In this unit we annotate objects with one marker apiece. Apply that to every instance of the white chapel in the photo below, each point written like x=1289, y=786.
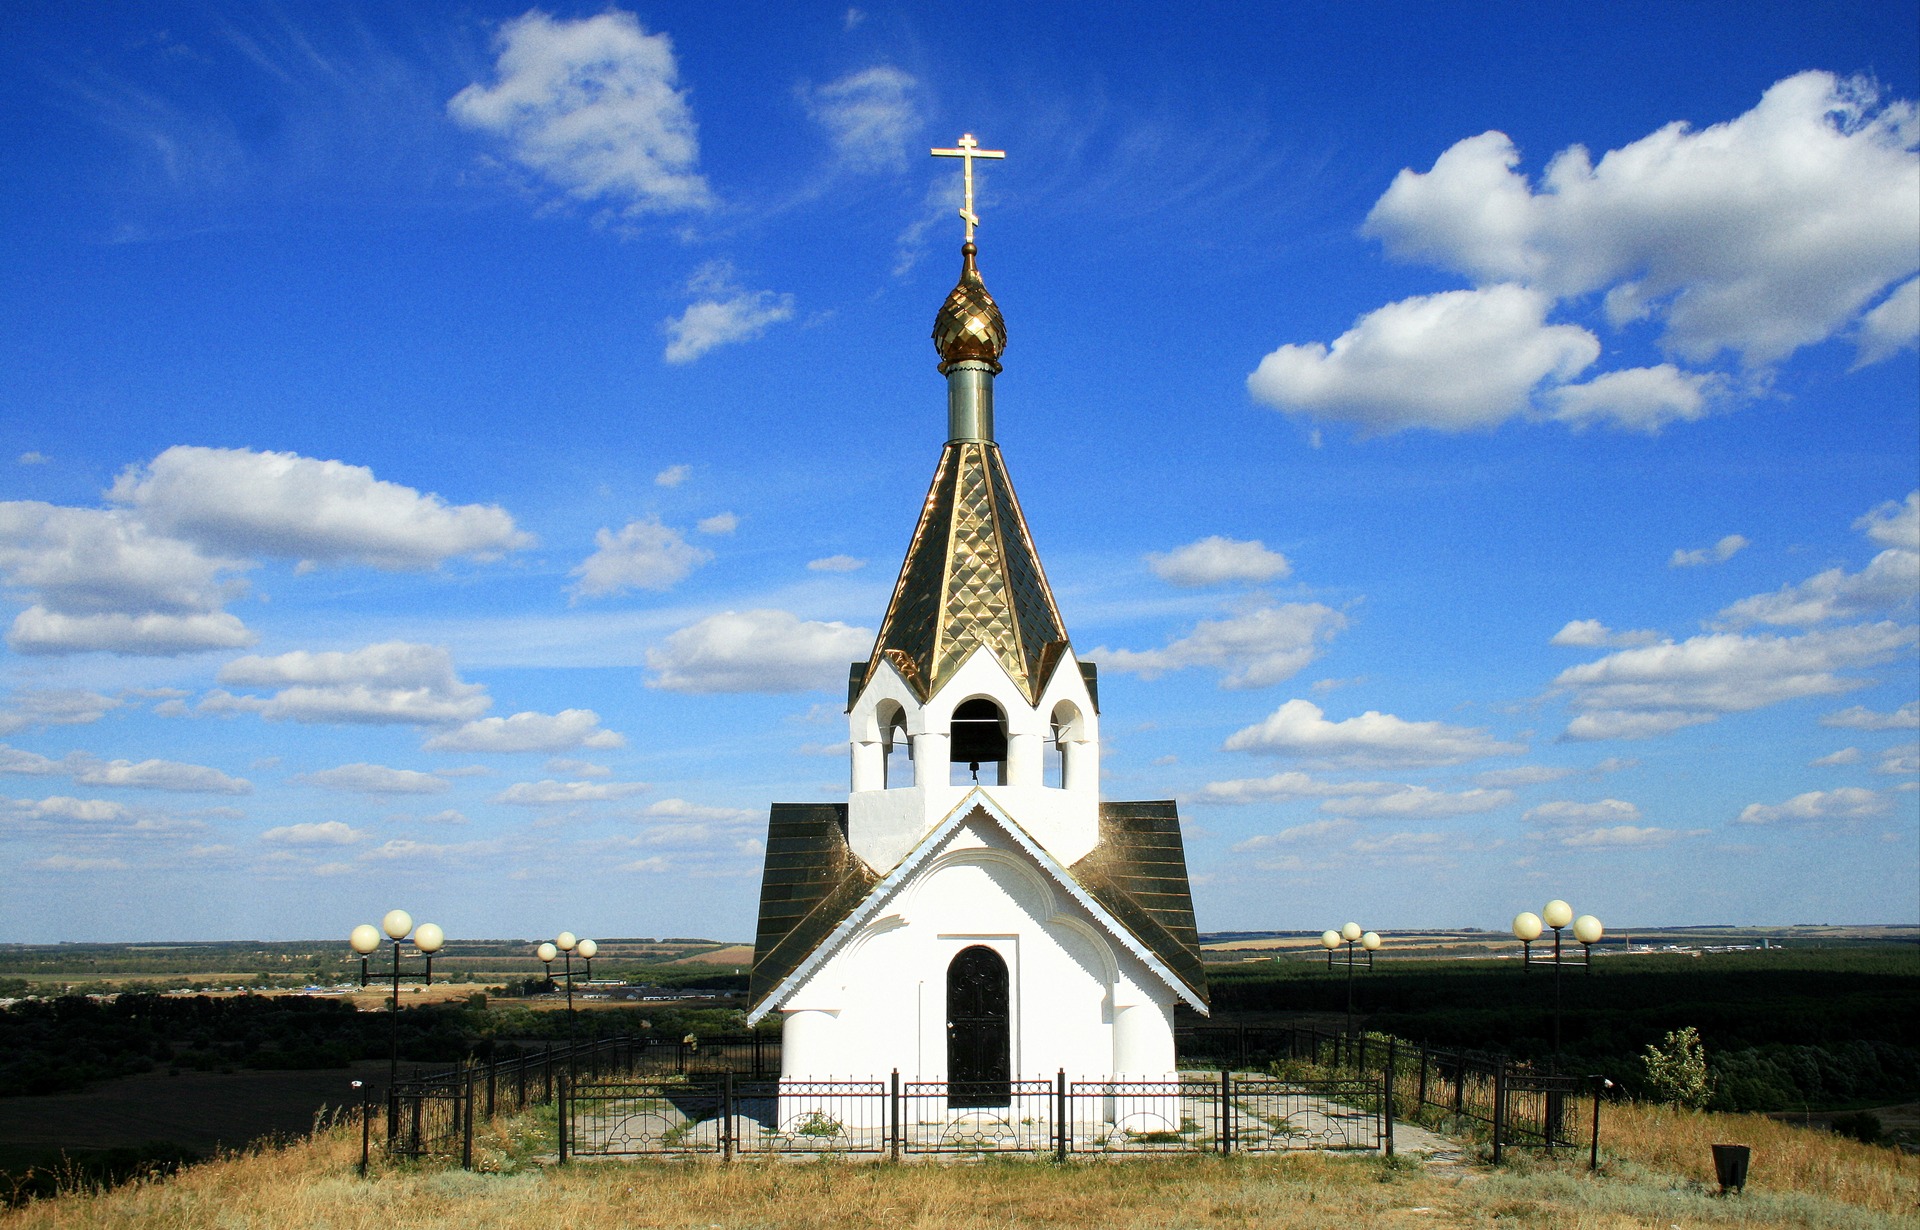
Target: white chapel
x=974, y=912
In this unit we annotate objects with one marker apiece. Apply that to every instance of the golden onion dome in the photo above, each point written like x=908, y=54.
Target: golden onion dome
x=969, y=324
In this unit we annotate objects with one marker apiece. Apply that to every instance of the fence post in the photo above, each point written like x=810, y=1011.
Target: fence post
x=466, y=1128
x=560, y=1112
x=1422, y=1099
x=1593, y=1155
x=1499, y=1106
x=1459, y=1085
x=1226, y=1112
x=493, y=1075
x=726, y=1115
x=894, y=1127
x=1393, y=1075
x=1361, y=1064
x=1061, y=1126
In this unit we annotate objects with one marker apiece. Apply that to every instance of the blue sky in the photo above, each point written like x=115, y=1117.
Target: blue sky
x=450, y=453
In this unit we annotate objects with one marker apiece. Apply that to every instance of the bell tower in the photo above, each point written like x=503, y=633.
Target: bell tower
x=972, y=681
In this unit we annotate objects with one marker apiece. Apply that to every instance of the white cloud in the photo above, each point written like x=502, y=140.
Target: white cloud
x=592, y=107
x=401, y=849
x=1215, y=560
x=756, y=651
x=103, y=580
x=673, y=476
x=324, y=833
x=577, y=768
x=69, y=862
x=836, y=563
x=1888, y=582
x=374, y=779
x=1859, y=717
x=1592, y=634
x=529, y=732
x=1637, y=398
x=1419, y=801
x=1453, y=361
x=1292, y=784
x=1761, y=235
x=392, y=682
x=1298, y=832
x=1300, y=728
x=719, y=523
x=643, y=555
x=155, y=775
x=680, y=809
x=1898, y=761
x=1525, y=775
x=1895, y=523
x=28, y=764
x=68, y=808
x=1571, y=814
x=449, y=816
x=1845, y=756
x=654, y=864
x=551, y=793
x=283, y=504
x=1718, y=553
x=1420, y=846
x=1257, y=649
x=33, y=457
x=1639, y=693
x=1891, y=327
x=1843, y=803
x=870, y=116
x=725, y=314
x=54, y=707
x=1619, y=835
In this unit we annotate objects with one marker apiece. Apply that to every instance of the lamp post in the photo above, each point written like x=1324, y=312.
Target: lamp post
x=427, y=939
x=1557, y=914
x=1350, y=934
x=568, y=943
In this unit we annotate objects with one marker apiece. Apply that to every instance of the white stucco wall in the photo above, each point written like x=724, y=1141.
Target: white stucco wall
x=1077, y=1000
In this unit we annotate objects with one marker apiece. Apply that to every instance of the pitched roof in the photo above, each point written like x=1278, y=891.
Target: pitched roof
x=811, y=882
x=971, y=577
x=1134, y=884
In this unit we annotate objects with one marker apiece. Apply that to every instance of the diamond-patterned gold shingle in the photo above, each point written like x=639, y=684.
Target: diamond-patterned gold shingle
x=971, y=578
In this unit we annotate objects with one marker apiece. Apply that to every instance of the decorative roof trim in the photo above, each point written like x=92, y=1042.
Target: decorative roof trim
x=976, y=800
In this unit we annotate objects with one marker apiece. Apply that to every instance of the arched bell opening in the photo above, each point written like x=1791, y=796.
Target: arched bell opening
x=1066, y=745
x=896, y=766
x=977, y=744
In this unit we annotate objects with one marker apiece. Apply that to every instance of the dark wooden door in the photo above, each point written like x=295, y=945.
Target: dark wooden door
x=979, y=1036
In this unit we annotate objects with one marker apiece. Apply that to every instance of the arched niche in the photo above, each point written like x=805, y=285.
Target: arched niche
x=896, y=749
x=1066, y=745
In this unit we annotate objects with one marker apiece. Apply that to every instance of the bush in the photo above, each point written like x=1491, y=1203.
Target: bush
x=1861, y=1125
x=1676, y=1070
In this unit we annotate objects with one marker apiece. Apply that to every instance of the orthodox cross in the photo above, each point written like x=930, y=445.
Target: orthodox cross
x=968, y=150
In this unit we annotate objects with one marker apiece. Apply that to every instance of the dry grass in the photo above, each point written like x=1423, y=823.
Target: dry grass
x=1657, y=1174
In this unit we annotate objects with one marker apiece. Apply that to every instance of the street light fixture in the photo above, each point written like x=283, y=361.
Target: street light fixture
x=1350, y=934
x=1558, y=915
x=427, y=939
x=568, y=943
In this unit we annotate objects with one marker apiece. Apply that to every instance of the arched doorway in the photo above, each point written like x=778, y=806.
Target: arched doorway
x=979, y=1036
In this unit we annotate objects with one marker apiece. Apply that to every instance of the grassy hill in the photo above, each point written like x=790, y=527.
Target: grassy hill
x=1655, y=1172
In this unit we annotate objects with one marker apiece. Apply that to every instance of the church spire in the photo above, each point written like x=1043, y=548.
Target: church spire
x=972, y=577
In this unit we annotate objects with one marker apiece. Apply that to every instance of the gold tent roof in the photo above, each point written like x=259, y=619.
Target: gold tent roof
x=971, y=578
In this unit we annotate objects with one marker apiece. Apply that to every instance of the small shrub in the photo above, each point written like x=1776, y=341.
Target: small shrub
x=1863, y=1126
x=1676, y=1069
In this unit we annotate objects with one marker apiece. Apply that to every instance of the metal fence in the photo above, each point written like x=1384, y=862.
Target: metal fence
x=1212, y=1113
x=1520, y=1105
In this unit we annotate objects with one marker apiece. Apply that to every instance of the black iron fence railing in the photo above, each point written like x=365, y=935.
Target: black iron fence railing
x=1519, y=1105
x=1296, y=1088
x=1212, y=1113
